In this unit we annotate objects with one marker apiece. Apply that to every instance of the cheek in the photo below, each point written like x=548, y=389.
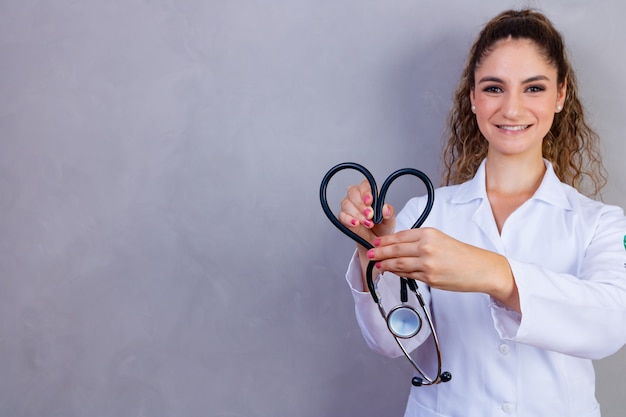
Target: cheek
x=486, y=105
x=546, y=113
x=482, y=120
x=484, y=111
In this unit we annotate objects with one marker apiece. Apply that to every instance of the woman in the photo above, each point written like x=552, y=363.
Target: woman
x=524, y=275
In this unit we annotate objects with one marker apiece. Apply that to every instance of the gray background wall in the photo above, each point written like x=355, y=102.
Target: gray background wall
x=162, y=247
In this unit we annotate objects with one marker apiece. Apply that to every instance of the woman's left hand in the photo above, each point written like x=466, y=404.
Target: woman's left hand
x=442, y=262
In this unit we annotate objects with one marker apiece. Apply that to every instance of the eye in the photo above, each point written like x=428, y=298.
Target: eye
x=492, y=89
x=535, y=89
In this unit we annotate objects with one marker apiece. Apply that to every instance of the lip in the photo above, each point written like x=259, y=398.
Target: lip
x=513, y=128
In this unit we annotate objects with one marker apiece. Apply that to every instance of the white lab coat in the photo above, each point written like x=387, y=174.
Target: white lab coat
x=568, y=256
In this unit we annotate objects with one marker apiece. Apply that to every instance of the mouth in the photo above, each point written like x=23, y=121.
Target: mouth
x=515, y=128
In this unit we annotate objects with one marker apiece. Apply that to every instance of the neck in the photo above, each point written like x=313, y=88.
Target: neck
x=510, y=182
x=514, y=176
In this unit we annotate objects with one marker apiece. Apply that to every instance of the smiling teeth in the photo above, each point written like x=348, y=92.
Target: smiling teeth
x=513, y=127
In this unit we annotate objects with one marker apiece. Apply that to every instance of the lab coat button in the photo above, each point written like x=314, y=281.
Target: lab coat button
x=507, y=407
x=504, y=349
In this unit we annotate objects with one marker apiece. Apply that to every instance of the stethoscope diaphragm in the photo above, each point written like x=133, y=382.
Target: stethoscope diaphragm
x=404, y=322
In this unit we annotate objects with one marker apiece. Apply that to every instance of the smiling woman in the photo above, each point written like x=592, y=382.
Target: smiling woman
x=570, y=144
x=519, y=322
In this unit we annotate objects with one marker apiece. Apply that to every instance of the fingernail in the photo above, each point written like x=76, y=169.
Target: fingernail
x=367, y=199
x=377, y=265
x=367, y=212
x=387, y=211
x=370, y=253
x=367, y=223
x=353, y=222
x=377, y=241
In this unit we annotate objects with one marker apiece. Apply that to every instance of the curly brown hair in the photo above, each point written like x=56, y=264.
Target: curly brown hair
x=570, y=145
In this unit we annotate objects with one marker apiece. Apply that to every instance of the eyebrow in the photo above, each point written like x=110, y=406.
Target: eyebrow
x=526, y=81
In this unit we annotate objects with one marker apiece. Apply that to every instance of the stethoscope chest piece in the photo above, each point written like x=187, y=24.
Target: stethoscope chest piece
x=404, y=322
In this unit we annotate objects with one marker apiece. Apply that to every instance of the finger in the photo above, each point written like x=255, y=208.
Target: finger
x=407, y=267
x=396, y=251
x=366, y=193
x=361, y=198
x=348, y=219
x=410, y=236
x=354, y=213
x=388, y=225
x=388, y=212
x=358, y=229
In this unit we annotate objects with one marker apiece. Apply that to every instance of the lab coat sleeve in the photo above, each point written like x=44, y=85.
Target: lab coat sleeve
x=372, y=324
x=582, y=316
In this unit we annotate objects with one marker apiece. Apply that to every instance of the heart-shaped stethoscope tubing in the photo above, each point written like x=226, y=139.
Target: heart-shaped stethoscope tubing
x=403, y=321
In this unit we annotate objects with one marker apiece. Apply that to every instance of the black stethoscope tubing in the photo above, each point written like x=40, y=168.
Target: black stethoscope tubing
x=377, y=205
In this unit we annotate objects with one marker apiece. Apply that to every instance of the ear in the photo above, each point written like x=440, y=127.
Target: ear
x=472, y=100
x=561, y=95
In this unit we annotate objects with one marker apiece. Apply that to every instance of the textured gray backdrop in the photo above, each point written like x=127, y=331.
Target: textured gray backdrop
x=162, y=247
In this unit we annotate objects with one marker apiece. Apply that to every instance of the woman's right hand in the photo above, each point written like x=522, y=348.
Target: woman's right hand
x=357, y=214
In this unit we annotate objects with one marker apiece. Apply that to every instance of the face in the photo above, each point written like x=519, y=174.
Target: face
x=516, y=96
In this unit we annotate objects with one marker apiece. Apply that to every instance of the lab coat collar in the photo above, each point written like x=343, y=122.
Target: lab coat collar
x=550, y=191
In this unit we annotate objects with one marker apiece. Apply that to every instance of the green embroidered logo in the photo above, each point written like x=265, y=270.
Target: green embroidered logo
x=624, y=241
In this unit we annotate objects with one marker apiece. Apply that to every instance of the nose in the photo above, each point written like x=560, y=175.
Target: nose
x=512, y=106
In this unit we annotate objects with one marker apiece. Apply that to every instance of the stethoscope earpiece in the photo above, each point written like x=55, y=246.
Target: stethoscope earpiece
x=444, y=377
x=403, y=320
x=417, y=382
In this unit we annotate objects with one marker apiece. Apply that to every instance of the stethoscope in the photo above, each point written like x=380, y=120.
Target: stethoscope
x=403, y=321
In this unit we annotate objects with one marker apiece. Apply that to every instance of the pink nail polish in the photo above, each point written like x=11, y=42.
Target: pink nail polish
x=367, y=199
x=377, y=241
x=367, y=223
x=377, y=265
x=367, y=212
x=370, y=253
x=353, y=222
